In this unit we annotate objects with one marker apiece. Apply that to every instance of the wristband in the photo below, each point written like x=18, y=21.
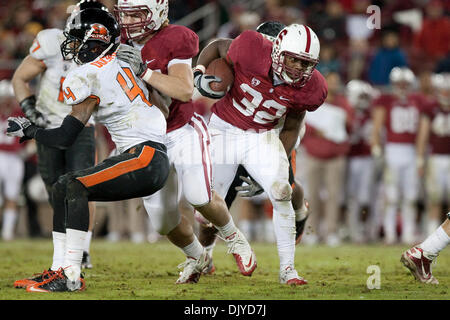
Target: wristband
x=147, y=75
x=201, y=68
x=28, y=103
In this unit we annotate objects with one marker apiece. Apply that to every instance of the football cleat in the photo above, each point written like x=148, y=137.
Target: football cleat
x=36, y=278
x=193, y=268
x=243, y=254
x=58, y=283
x=419, y=265
x=290, y=276
x=86, y=261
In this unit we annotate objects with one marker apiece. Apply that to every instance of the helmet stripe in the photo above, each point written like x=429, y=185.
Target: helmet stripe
x=308, y=39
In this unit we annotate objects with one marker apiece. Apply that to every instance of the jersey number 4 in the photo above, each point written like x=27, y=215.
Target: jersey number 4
x=133, y=92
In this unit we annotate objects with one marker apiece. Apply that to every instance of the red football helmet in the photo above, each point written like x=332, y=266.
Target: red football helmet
x=138, y=18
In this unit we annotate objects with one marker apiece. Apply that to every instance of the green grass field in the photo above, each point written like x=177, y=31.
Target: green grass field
x=127, y=271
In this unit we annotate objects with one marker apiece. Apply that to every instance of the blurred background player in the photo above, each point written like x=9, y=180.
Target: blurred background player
x=398, y=113
x=161, y=54
x=433, y=150
x=326, y=143
x=361, y=171
x=48, y=111
x=11, y=163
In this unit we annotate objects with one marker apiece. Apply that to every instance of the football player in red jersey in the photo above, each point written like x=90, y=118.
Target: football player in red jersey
x=11, y=164
x=271, y=82
x=361, y=169
x=434, y=137
x=398, y=112
x=161, y=54
x=434, y=132
x=207, y=233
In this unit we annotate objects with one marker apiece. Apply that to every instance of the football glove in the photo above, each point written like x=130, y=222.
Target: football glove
x=28, y=106
x=132, y=56
x=20, y=127
x=202, y=81
x=251, y=189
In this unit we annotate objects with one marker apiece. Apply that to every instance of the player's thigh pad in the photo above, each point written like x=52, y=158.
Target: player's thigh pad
x=266, y=161
x=191, y=157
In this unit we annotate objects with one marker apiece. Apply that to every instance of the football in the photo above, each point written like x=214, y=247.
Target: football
x=220, y=68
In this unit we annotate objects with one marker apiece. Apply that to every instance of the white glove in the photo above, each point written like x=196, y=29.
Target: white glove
x=202, y=81
x=251, y=189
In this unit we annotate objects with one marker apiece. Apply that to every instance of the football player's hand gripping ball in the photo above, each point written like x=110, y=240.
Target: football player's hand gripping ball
x=202, y=81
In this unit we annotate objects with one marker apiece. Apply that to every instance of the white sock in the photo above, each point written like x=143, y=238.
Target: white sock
x=284, y=228
x=193, y=250
x=87, y=244
x=59, y=249
x=435, y=242
x=75, y=241
x=432, y=225
x=227, y=230
x=9, y=223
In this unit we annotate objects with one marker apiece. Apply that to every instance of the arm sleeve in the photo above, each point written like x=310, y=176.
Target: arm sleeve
x=61, y=137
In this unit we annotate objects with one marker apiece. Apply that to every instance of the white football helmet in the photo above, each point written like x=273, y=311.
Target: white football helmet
x=360, y=93
x=138, y=18
x=441, y=83
x=402, y=80
x=297, y=41
x=402, y=74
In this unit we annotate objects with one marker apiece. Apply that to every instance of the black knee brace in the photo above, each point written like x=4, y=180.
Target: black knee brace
x=58, y=200
x=77, y=206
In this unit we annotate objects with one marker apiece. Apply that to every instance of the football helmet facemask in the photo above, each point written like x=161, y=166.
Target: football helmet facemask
x=297, y=43
x=90, y=34
x=139, y=18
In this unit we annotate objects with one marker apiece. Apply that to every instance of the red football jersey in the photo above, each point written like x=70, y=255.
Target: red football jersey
x=439, y=129
x=254, y=102
x=172, y=42
x=9, y=144
x=359, y=138
x=402, y=117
